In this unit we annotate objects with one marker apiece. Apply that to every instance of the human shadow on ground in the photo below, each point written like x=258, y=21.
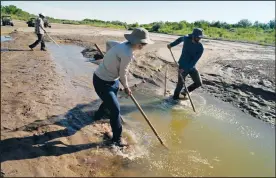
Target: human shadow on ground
x=39, y=145
x=74, y=119
x=28, y=147
x=80, y=116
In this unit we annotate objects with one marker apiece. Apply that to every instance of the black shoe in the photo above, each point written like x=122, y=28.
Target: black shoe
x=31, y=48
x=120, y=143
x=43, y=50
x=184, y=93
x=117, y=142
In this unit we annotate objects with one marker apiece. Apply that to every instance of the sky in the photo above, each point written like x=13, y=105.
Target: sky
x=152, y=11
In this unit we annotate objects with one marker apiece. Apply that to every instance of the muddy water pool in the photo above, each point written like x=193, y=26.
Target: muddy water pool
x=218, y=140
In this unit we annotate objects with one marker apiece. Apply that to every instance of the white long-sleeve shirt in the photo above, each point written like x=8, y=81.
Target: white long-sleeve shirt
x=110, y=44
x=38, y=24
x=116, y=62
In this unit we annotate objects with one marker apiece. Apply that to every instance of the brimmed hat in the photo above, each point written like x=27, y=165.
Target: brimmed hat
x=139, y=35
x=197, y=32
x=42, y=14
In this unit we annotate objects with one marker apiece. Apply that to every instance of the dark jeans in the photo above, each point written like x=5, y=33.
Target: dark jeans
x=40, y=39
x=195, y=77
x=107, y=91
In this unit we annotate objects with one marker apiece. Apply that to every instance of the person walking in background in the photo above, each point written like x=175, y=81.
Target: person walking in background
x=191, y=52
x=40, y=31
x=113, y=68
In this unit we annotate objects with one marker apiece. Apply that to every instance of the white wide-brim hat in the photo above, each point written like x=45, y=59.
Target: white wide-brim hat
x=139, y=35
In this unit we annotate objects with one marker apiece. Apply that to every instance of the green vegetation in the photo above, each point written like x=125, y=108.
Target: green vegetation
x=15, y=13
x=244, y=30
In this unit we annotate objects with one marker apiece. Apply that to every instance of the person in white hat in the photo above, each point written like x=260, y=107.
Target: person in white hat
x=114, y=68
x=40, y=31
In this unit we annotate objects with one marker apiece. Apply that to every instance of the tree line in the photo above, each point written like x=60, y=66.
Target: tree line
x=242, y=30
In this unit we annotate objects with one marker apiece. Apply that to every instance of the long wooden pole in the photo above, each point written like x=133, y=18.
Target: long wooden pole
x=146, y=118
x=140, y=109
x=165, y=88
x=183, y=82
x=52, y=39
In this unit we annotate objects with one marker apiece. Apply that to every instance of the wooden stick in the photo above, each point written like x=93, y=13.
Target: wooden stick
x=99, y=49
x=141, y=110
x=143, y=113
x=183, y=82
x=166, y=73
x=52, y=39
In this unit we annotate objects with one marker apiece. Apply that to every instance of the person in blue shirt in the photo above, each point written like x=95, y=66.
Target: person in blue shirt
x=191, y=52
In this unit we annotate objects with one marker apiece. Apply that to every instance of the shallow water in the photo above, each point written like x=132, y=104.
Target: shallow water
x=5, y=38
x=218, y=140
x=76, y=69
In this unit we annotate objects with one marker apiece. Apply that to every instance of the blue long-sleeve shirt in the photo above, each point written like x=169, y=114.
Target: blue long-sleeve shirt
x=191, y=52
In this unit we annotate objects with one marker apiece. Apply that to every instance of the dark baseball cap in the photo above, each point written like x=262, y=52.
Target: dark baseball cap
x=198, y=33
